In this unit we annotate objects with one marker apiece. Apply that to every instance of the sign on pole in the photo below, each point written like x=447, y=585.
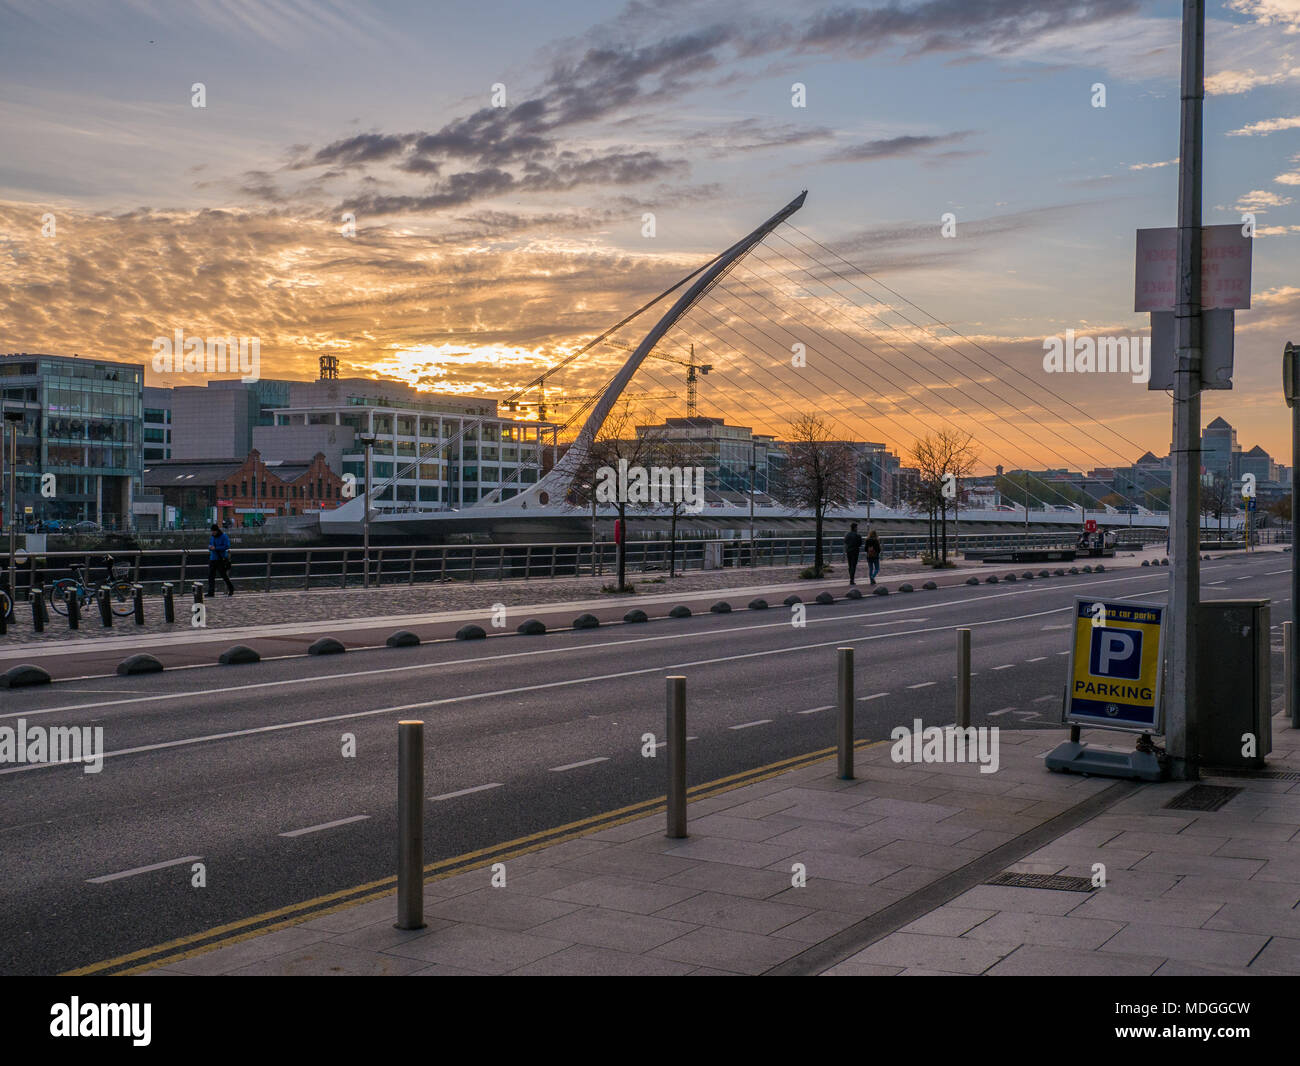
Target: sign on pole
x=1115, y=662
x=1225, y=269
x=1090, y=526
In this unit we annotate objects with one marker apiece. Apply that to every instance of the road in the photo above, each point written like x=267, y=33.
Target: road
x=245, y=770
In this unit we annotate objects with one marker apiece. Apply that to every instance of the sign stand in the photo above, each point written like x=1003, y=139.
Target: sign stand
x=1115, y=670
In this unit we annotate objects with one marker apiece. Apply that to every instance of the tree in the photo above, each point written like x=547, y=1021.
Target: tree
x=1281, y=508
x=820, y=473
x=617, y=441
x=1217, y=498
x=942, y=459
x=676, y=454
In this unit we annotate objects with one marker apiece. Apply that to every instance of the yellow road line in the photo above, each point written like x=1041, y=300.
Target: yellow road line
x=319, y=906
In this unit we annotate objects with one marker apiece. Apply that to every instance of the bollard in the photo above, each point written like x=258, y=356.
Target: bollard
x=169, y=603
x=198, y=592
x=4, y=620
x=963, y=678
x=410, y=825
x=38, y=622
x=137, y=601
x=73, y=601
x=1288, y=650
x=105, y=608
x=676, y=758
x=844, y=701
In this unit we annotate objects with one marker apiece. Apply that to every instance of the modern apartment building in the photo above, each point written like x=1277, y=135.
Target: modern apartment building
x=80, y=437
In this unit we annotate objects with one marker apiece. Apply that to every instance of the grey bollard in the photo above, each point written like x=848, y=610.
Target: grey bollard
x=963, y=678
x=844, y=704
x=676, y=758
x=410, y=825
x=169, y=603
x=137, y=603
x=1288, y=650
x=198, y=592
x=37, y=600
x=105, y=608
x=73, y=601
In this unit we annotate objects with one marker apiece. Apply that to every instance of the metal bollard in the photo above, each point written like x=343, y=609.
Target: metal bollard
x=198, y=592
x=4, y=620
x=410, y=825
x=73, y=601
x=169, y=603
x=1288, y=650
x=137, y=601
x=844, y=703
x=105, y=608
x=676, y=758
x=37, y=601
x=963, y=678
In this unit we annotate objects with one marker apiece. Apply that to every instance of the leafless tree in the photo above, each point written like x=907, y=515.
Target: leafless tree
x=942, y=459
x=820, y=473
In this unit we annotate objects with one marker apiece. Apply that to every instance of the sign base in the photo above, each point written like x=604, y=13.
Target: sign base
x=1077, y=758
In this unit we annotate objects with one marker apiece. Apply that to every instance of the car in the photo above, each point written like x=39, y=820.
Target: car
x=85, y=527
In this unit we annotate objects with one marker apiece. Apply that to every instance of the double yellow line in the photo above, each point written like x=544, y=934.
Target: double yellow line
x=221, y=936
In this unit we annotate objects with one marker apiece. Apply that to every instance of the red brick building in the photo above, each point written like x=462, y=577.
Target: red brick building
x=258, y=489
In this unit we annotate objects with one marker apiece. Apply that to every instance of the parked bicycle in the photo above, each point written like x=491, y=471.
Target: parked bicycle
x=121, y=591
x=6, y=606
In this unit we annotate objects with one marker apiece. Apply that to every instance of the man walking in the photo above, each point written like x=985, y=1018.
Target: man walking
x=872, y=545
x=219, y=561
x=852, y=545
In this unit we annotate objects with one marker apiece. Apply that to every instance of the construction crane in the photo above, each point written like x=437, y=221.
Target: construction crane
x=585, y=399
x=692, y=407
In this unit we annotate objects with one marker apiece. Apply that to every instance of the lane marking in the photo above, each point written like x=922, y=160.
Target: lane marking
x=1004, y=666
x=873, y=696
x=923, y=684
x=1062, y=653
x=1043, y=699
x=1039, y=659
x=814, y=710
x=994, y=714
x=465, y=791
x=595, y=646
x=1272, y=573
x=575, y=765
x=142, y=870
x=750, y=725
x=325, y=825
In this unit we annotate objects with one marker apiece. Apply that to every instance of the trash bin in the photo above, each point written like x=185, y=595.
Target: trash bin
x=1234, y=673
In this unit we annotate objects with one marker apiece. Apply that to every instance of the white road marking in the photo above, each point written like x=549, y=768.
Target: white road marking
x=873, y=696
x=1271, y=573
x=465, y=791
x=142, y=870
x=923, y=684
x=814, y=710
x=1040, y=659
x=325, y=825
x=1043, y=699
x=994, y=714
x=575, y=765
x=1004, y=666
x=747, y=725
x=1062, y=653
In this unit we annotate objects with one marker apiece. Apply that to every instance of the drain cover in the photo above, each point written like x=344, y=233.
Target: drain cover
x=1254, y=775
x=1202, y=798
x=1050, y=881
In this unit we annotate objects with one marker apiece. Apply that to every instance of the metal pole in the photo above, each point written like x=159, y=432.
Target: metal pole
x=1293, y=667
x=676, y=758
x=1288, y=653
x=365, y=521
x=844, y=703
x=13, y=509
x=1182, y=713
x=753, y=465
x=963, y=678
x=410, y=824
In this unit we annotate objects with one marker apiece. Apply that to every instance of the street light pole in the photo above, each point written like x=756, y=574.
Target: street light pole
x=368, y=440
x=13, y=418
x=1182, y=728
x=753, y=464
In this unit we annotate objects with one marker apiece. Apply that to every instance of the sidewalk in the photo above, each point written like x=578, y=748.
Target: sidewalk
x=897, y=864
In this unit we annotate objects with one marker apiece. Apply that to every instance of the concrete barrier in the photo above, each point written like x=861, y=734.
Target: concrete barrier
x=758, y=605
x=721, y=607
x=680, y=611
x=586, y=621
x=139, y=664
x=825, y=599
x=403, y=638
x=636, y=616
x=471, y=632
x=23, y=676
x=238, y=655
x=327, y=646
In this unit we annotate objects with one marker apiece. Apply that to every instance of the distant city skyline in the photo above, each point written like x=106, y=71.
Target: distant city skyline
x=349, y=186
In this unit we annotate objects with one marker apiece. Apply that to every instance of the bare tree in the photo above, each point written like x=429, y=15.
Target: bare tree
x=1217, y=498
x=942, y=459
x=677, y=454
x=820, y=473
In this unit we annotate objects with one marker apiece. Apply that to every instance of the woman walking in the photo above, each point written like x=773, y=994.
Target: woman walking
x=872, y=546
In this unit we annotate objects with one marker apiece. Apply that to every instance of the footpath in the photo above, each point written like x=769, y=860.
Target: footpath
x=909, y=869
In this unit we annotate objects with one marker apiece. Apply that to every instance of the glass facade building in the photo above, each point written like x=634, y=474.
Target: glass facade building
x=82, y=422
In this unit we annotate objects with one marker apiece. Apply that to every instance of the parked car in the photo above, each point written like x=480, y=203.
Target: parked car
x=85, y=527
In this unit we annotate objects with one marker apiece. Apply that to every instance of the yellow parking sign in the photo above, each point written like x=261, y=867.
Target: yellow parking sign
x=1115, y=666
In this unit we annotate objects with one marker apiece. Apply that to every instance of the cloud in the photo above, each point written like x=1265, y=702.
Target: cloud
x=1234, y=82
x=1154, y=166
x=1284, y=13
x=893, y=147
x=1260, y=199
x=1291, y=177
x=1267, y=126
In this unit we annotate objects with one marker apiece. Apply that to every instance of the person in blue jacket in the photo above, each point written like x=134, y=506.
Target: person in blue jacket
x=219, y=561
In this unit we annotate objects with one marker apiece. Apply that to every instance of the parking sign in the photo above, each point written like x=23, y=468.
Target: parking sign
x=1115, y=666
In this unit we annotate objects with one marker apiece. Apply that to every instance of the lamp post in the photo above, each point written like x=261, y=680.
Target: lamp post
x=368, y=440
x=753, y=466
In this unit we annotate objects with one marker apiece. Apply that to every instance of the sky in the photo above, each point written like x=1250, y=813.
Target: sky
x=461, y=196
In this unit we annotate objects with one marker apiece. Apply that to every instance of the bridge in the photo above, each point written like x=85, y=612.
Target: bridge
x=884, y=368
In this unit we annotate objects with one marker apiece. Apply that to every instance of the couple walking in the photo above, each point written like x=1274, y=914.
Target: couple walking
x=853, y=544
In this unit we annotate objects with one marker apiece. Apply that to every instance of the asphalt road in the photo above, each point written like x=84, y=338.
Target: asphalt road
x=227, y=766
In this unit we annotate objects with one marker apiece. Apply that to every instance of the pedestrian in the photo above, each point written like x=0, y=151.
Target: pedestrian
x=852, y=545
x=219, y=561
x=872, y=545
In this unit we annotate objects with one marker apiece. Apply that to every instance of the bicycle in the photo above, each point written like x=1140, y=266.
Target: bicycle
x=121, y=591
x=6, y=606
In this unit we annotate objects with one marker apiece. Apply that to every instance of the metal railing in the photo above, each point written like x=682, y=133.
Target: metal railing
x=284, y=568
